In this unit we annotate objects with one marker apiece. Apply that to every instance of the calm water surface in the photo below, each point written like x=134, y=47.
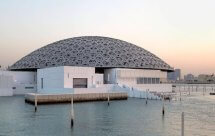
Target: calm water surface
x=130, y=117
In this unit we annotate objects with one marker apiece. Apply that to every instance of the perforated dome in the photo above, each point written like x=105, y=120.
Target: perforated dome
x=91, y=51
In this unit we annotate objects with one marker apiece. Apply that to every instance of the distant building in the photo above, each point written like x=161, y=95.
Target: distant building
x=206, y=78
x=189, y=77
x=175, y=75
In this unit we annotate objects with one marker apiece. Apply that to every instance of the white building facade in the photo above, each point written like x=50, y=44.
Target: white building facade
x=141, y=79
x=67, y=78
x=17, y=82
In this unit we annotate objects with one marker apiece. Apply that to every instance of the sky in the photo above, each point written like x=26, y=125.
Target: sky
x=181, y=32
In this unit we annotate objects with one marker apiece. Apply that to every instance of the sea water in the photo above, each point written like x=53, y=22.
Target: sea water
x=132, y=117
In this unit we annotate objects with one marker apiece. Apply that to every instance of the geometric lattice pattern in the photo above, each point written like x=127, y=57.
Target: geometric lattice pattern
x=91, y=51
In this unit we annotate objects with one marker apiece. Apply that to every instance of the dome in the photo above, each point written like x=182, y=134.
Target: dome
x=91, y=51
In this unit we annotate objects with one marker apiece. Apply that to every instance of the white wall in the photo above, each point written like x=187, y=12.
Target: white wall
x=22, y=82
x=81, y=72
x=99, y=79
x=129, y=77
x=60, y=79
x=134, y=73
x=110, y=76
x=53, y=79
x=21, y=77
x=6, y=83
x=78, y=72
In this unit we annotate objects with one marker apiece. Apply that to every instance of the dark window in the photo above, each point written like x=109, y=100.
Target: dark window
x=29, y=87
x=149, y=80
x=145, y=81
x=140, y=80
x=79, y=82
x=157, y=80
x=153, y=81
x=41, y=83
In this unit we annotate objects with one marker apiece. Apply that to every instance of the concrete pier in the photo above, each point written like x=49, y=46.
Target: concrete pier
x=66, y=98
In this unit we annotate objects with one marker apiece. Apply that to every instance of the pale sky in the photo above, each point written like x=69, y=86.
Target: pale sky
x=181, y=32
